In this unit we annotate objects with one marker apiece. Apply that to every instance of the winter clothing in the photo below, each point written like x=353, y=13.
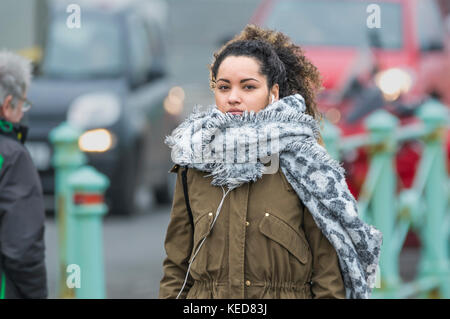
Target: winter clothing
x=264, y=244
x=317, y=179
x=22, y=217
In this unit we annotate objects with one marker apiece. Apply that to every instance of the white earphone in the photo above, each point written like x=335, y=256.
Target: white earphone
x=273, y=98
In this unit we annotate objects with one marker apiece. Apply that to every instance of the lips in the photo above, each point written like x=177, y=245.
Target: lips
x=235, y=111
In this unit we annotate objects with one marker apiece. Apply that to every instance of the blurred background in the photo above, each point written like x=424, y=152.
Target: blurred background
x=133, y=70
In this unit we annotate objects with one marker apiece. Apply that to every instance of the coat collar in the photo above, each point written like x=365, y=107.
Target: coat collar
x=18, y=132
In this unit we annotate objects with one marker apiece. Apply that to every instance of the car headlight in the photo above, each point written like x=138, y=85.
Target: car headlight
x=394, y=82
x=99, y=140
x=94, y=110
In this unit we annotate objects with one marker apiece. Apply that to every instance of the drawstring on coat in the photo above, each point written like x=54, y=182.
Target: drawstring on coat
x=201, y=244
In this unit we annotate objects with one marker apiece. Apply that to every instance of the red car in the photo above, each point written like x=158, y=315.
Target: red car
x=365, y=67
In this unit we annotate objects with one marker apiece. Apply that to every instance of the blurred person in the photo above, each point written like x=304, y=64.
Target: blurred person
x=294, y=233
x=22, y=214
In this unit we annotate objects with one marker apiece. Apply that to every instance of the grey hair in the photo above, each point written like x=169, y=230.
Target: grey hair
x=15, y=75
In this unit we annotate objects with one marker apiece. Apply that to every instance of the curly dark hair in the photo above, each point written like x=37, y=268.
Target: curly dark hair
x=281, y=62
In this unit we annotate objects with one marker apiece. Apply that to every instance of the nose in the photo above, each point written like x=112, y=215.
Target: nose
x=234, y=97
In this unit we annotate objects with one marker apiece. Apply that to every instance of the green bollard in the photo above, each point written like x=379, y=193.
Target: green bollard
x=66, y=159
x=435, y=258
x=331, y=137
x=382, y=125
x=87, y=208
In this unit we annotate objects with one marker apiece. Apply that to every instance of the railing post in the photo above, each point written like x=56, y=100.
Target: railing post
x=87, y=208
x=382, y=125
x=434, y=256
x=331, y=136
x=67, y=158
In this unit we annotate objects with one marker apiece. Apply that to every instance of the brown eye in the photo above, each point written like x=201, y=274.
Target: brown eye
x=250, y=87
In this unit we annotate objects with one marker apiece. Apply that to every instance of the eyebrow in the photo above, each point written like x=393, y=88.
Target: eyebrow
x=242, y=81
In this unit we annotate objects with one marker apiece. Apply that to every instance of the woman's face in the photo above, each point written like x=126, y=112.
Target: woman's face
x=240, y=86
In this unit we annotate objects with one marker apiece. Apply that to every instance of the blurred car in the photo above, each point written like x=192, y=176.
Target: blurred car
x=109, y=78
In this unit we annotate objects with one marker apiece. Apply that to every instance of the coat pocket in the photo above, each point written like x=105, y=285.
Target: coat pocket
x=279, y=231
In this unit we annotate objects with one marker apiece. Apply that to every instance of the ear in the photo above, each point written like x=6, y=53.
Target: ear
x=7, y=107
x=275, y=90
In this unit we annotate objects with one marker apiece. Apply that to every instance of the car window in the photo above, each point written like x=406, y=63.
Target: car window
x=140, y=51
x=90, y=51
x=336, y=23
x=429, y=26
x=154, y=36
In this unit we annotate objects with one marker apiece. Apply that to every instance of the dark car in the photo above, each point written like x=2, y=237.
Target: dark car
x=109, y=78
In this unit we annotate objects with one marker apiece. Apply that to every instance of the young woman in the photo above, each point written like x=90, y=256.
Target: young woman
x=246, y=229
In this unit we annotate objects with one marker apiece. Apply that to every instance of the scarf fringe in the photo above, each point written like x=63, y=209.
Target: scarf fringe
x=219, y=119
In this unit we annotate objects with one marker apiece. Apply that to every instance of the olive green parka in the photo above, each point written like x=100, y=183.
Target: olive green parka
x=264, y=244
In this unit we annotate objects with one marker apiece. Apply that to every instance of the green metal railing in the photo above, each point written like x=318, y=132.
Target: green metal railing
x=423, y=208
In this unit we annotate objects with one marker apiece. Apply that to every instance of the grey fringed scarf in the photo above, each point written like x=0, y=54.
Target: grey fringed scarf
x=283, y=129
